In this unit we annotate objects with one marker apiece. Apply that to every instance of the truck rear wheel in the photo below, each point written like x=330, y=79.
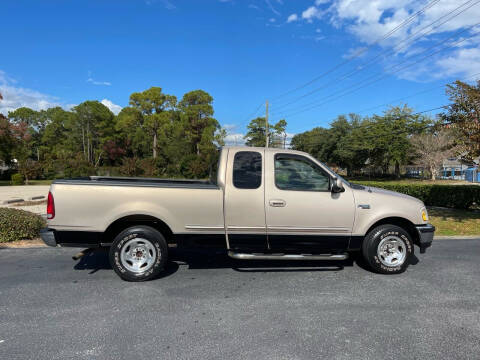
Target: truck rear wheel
x=138, y=253
x=387, y=249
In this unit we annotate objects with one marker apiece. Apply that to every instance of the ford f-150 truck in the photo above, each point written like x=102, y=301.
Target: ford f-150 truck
x=265, y=203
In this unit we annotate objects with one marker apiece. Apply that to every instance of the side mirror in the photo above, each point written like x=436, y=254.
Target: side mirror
x=337, y=185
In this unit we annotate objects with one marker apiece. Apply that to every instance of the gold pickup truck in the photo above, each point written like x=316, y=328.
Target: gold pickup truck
x=265, y=203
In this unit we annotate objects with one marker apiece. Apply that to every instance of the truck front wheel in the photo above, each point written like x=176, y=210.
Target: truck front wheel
x=138, y=253
x=387, y=249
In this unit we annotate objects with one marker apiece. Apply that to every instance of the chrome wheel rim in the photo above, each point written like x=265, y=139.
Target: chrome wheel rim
x=392, y=251
x=138, y=255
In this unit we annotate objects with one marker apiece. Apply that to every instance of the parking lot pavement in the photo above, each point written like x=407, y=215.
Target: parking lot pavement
x=23, y=192
x=210, y=307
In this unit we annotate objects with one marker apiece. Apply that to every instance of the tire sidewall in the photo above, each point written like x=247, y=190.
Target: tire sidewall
x=373, y=240
x=144, y=232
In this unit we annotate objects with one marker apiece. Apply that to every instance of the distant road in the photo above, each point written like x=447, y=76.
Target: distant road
x=211, y=307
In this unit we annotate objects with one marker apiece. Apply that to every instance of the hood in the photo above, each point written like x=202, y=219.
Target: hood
x=375, y=190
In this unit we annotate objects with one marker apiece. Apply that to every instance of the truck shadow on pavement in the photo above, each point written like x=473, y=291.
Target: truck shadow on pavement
x=217, y=259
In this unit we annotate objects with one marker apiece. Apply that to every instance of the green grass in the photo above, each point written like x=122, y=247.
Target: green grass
x=31, y=182
x=450, y=222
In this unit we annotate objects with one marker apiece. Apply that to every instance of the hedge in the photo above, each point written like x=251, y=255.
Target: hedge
x=451, y=196
x=17, y=179
x=19, y=224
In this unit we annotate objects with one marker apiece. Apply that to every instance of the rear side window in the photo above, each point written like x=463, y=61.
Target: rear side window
x=247, y=170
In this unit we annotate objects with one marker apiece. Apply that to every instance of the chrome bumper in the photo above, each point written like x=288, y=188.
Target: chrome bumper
x=48, y=237
x=425, y=236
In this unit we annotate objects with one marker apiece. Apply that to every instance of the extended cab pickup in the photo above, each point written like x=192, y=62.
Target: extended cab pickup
x=266, y=203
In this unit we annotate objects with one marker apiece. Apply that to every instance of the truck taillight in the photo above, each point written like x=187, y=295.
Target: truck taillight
x=50, y=206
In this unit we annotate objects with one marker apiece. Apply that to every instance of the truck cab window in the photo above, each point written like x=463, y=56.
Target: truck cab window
x=247, y=170
x=298, y=173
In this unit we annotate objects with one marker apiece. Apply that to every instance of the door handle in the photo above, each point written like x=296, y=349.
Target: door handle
x=278, y=203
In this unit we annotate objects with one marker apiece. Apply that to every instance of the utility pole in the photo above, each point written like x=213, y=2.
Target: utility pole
x=266, y=123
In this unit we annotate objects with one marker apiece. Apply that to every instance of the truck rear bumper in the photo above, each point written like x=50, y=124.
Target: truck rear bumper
x=48, y=237
x=88, y=239
x=425, y=236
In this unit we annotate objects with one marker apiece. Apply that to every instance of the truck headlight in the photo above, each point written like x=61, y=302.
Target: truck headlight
x=424, y=215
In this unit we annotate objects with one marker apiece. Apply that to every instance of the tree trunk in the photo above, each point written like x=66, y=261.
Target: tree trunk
x=397, y=169
x=89, y=159
x=155, y=145
x=83, y=142
x=433, y=173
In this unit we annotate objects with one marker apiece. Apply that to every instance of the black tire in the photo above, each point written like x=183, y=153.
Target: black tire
x=379, y=263
x=154, y=249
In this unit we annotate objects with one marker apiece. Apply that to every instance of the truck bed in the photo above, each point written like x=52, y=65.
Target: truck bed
x=139, y=181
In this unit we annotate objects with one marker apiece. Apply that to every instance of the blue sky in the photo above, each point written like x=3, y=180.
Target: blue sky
x=241, y=51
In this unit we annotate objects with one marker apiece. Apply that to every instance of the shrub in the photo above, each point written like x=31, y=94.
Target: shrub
x=130, y=167
x=450, y=196
x=19, y=224
x=77, y=166
x=17, y=179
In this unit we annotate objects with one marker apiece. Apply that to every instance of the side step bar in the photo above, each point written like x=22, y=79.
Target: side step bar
x=246, y=256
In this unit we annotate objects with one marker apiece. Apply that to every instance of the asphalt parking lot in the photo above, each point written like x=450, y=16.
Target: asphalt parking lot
x=210, y=307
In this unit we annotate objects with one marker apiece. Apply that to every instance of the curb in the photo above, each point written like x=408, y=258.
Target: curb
x=11, y=201
x=468, y=237
x=36, y=198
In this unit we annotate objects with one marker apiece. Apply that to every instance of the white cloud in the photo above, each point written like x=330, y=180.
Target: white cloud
x=96, y=82
x=292, y=18
x=312, y=13
x=15, y=97
x=461, y=62
x=368, y=21
x=355, y=52
x=272, y=20
x=113, y=107
x=235, y=139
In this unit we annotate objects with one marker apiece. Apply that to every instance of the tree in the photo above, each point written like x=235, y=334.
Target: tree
x=350, y=142
x=96, y=123
x=432, y=148
x=153, y=104
x=7, y=141
x=349, y=139
x=35, y=124
x=57, y=139
x=463, y=115
x=257, y=129
x=389, y=136
x=343, y=144
x=130, y=128
x=197, y=116
x=315, y=142
x=202, y=132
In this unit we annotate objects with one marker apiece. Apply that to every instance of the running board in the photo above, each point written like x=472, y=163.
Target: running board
x=258, y=256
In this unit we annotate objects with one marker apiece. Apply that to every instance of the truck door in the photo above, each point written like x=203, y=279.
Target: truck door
x=302, y=213
x=245, y=199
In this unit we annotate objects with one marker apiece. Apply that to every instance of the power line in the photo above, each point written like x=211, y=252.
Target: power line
x=375, y=59
x=360, y=52
x=382, y=76
x=410, y=96
x=254, y=113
